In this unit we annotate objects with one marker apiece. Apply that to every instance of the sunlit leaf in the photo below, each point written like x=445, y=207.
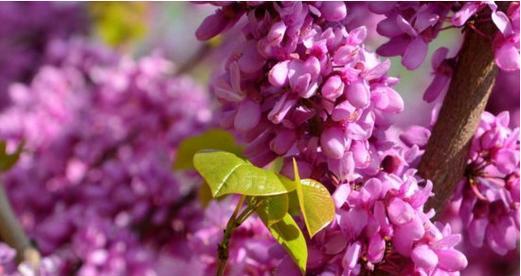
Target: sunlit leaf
x=288, y=234
x=276, y=165
x=226, y=173
x=293, y=203
x=273, y=208
x=216, y=139
x=316, y=204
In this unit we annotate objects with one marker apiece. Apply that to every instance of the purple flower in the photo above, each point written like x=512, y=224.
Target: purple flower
x=488, y=197
x=380, y=225
x=25, y=31
x=296, y=76
x=442, y=67
x=506, y=42
x=410, y=28
x=94, y=186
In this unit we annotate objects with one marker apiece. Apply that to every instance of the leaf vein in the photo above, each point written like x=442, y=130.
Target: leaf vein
x=219, y=187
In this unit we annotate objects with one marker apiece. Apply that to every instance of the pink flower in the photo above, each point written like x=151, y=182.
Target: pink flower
x=442, y=67
x=506, y=42
x=298, y=77
x=380, y=224
x=488, y=198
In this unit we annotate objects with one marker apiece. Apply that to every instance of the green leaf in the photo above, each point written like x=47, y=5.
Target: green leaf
x=293, y=205
x=216, y=139
x=276, y=165
x=7, y=161
x=226, y=173
x=273, y=208
x=287, y=233
x=316, y=204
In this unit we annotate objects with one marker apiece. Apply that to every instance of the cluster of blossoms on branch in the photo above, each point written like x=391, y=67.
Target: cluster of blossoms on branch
x=487, y=199
x=8, y=265
x=380, y=225
x=412, y=26
x=94, y=186
x=302, y=84
x=25, y=30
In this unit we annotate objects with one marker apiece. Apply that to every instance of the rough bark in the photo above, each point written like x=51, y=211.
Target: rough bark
x=474, y=74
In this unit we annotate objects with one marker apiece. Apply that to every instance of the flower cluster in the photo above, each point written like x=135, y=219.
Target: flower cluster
x=381, y=226
x=506, y=41
x=300, y=84
x=412, y=26
x=48, y=266
x=25, y=30
x=94, y=184
x=488, y=197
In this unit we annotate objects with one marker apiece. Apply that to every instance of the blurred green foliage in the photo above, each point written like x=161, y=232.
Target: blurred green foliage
x=119, y=23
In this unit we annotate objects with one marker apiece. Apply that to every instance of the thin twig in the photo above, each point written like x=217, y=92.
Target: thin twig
x=13, y=234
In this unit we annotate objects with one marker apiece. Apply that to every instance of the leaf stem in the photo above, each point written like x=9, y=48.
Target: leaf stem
x=244, y=215
x=233, y=222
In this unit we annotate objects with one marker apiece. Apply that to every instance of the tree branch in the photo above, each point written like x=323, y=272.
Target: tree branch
x=12, y=233
x=194, y=60
x=445, y=157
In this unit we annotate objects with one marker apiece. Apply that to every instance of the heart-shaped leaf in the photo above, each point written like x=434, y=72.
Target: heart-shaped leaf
x=288, y=234
x=316, y=204
x=216, y=139
x=273, y=208
x=226, y=173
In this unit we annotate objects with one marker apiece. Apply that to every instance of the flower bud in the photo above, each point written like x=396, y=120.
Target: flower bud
x=248, y=115
x=332, y=141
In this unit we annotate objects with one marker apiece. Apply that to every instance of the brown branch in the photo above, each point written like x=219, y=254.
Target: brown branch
x=469, y=90
x=12, y=233
x=194, y=60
